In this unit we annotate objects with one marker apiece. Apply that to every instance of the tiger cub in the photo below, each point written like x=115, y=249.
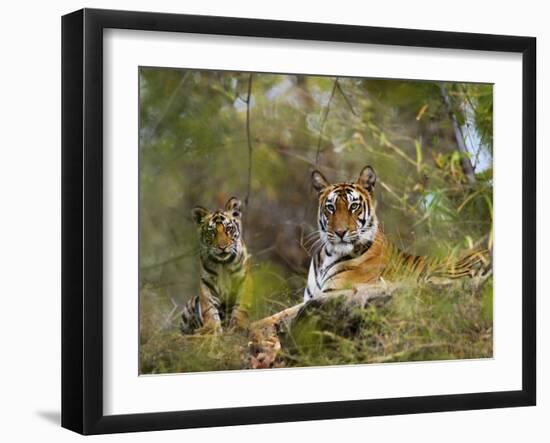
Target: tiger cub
x=224, y=289
x=355, y=250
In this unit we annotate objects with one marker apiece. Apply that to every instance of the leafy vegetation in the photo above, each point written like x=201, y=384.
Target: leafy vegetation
x=208, y=135
x=418, y=324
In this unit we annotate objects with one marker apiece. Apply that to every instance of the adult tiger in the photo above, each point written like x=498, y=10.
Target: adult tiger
x=354, y=250
x=224, y=289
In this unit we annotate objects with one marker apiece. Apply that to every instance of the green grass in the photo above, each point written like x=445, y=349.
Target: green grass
x=170, y=352
x=418, y=324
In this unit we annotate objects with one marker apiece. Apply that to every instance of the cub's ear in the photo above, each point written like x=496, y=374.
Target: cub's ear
x=234, y=205
x=198, y=213
x=367, y=178
x=319, y=181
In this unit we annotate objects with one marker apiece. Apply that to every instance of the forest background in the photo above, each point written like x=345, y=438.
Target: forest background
x=208, y=135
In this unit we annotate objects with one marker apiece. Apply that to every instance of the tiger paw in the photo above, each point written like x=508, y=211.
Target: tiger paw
x=263, y=352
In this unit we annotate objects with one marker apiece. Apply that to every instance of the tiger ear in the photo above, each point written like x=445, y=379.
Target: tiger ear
x=198, y=213
x=234, y=205
x=367, y=178
x=319, y=181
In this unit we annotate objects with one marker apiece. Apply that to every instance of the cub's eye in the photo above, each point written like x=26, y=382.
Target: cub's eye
x=330, y=208
x=354, y=207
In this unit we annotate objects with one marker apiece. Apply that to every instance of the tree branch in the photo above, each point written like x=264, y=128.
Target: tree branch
x=346, y=98
x=327, y=109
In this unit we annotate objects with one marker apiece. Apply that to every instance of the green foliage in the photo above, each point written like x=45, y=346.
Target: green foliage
x=419, y=324
x=193, y=148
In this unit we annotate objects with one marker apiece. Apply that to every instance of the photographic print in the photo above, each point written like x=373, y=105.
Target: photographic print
x=291, y=220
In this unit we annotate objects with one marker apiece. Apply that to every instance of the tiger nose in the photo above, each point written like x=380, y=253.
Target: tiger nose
x=340, y=233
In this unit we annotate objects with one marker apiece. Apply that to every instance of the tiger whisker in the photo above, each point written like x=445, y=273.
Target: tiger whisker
x=320, y=246
x=311, y=237
x=308, y=240
x=311, y=242
x=315, y=232
x=314, y=245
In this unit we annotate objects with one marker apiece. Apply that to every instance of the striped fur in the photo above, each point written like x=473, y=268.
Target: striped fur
x=224, y=289
x=353, y=249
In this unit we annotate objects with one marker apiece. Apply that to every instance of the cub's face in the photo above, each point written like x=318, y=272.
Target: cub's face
x=220, y=231
x=346, y=215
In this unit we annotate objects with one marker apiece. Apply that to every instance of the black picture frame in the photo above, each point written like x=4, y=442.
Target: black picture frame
x=82, y=220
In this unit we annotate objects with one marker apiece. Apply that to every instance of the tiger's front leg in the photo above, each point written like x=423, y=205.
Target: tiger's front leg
x=240, y=318
x=211, y=322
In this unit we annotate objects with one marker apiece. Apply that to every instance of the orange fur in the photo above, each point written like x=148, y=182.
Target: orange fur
x=355, y=250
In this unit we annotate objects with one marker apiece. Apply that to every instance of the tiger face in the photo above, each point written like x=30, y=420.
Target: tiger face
x=220, y=231
x=346, y=216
